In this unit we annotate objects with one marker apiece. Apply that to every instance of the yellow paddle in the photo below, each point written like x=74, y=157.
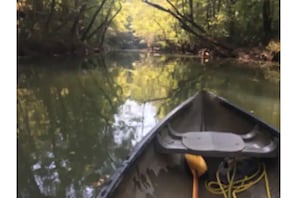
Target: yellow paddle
x=198, y=167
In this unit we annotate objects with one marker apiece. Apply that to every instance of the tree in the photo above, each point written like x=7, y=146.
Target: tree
x=267, y=21
x=189, y=24
x=223, y=25
x=52, y=26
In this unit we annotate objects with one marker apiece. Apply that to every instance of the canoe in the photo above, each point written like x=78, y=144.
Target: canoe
x=239, y=151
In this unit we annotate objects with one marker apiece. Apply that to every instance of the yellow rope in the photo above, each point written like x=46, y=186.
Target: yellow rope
x=216, y=187
x=221, y=185
x=266, y=182
x=231, y=181
x=209, y=185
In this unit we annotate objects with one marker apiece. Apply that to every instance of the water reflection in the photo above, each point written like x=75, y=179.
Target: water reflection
x=133, y=121
x=79, y=118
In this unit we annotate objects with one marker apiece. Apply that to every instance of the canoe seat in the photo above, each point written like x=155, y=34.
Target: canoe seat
x=213, y=141
x=215, y=144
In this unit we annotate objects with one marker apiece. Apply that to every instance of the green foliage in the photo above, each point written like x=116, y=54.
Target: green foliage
x=149, y=24
x=63, y=25
x=273, y=46
x=239, y=22
x=168, y=24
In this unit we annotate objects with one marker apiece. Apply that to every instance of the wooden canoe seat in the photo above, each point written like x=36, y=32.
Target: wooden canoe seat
x=215, y=144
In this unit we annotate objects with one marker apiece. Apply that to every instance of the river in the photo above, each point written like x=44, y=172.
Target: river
x=79, y=117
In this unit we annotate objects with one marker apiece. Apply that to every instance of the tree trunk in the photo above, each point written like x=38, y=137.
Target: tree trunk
x=191, y=10
x=83, y=37
x=49, y=18
x=231, y=20
x=208, y=15
x=77, y=17
x=197, y=30
x=267, y=19
x=108, y=24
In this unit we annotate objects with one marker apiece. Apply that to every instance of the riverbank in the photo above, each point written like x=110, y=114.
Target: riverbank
x=267, y=56
x=244, y=54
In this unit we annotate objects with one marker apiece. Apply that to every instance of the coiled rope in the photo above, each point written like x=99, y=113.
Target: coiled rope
x=234, y=187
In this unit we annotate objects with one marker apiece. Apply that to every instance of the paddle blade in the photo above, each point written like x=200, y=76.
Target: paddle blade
x=196, y=163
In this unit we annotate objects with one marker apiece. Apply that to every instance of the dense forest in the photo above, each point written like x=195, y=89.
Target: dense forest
x=226, y=28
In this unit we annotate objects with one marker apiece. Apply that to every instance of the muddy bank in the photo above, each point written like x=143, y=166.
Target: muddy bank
x=257, y=54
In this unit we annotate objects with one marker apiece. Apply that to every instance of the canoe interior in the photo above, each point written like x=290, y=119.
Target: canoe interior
x=156, y=174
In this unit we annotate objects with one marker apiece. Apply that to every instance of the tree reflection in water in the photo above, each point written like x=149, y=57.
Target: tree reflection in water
x=130, y=121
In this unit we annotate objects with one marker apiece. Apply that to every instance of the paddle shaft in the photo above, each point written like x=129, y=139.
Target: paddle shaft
x=198, y=167
x=195, y=184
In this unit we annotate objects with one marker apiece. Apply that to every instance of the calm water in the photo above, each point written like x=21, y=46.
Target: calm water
x=78, y=118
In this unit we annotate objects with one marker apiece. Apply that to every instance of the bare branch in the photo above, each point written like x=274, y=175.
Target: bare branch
x=83, y=37
x=109, y=22
x=189, y=25
x=186, y=18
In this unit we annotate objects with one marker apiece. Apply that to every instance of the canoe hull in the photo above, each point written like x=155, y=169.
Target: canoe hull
x=151, y=173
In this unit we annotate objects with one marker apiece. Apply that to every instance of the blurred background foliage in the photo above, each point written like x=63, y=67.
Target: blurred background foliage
x=64, y=26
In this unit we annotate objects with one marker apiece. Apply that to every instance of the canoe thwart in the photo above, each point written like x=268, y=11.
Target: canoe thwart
x=215, y=143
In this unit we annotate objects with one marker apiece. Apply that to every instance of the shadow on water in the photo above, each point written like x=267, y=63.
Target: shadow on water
x=79, y=118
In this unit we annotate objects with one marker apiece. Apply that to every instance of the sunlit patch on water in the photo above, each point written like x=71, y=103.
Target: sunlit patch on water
x=134, y=119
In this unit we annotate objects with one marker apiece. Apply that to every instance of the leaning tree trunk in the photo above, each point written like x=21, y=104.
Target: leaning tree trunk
x=107, y=24
x=189, y=25
x=267, y=20
x=86, y=32
x=50, y=16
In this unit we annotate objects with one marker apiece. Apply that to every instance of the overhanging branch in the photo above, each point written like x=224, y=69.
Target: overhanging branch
x=193, y=28
x=186, y=18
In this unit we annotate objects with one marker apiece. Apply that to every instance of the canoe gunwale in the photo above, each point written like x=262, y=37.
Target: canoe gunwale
x=139, y=148
x=247, y=114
